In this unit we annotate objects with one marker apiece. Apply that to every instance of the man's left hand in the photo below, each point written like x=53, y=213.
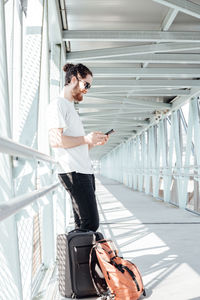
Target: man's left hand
x=103, y=142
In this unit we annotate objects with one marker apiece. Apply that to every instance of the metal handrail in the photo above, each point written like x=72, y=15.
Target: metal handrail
x=12, y=206
x=8, y=146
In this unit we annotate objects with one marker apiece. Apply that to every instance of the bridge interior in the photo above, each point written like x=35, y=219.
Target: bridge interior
x=145, y=57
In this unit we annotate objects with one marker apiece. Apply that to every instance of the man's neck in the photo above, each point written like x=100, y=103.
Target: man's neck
x=68, y=94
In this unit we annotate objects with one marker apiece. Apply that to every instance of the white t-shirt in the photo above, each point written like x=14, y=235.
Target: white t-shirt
x=61, y=113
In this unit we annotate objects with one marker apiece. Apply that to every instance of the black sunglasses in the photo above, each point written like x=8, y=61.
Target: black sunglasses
x=87, y=85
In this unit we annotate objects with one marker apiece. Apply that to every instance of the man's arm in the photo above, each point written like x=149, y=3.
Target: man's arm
x=58, y=140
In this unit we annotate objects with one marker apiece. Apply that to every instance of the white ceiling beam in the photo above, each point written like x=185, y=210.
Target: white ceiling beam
x=119, y=116
x=116, y=136
x=184, y=6
x=130, y=36
x=117, y=126
x=147, y=72
x=169, y=18
x=96, y=92
x=151, y=58
x=107, y=114
x=117, y=132
x=121, y=91
x=114, y=107
x=167, y=22
x=145, y=83
x=124, y=122
x=128, y=101
x=116, y=97
x=131, y=50
x=122, y=133
x=147, y=103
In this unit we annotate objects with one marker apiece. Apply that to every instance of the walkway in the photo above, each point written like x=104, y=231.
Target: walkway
x=162, y=240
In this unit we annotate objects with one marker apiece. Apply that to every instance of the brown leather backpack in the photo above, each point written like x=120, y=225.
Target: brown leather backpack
x=122, y=276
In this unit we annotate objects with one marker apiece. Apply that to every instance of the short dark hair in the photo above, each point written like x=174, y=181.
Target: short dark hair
x=73, y=70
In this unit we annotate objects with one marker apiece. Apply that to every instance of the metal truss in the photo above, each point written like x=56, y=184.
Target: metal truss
x=156, y=161
x=185, y=6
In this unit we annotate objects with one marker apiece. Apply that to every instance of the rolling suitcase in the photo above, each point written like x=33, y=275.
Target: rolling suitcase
x=73, y=251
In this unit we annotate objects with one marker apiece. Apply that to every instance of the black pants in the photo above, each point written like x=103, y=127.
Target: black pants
x=81, y=188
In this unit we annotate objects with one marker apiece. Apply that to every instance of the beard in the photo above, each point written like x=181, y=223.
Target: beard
x=77, y=94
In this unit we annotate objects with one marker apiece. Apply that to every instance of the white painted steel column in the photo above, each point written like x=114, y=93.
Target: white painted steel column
x=175, y=122
x=44, y=173
x=10, y=279
x=146, y=169
x=139, y=163
x=148, y=175
x=124, y=158
x=26, y=172
x=17, y=65
x=157, y=158
x=44, y=86
x=55, y=71
x=129, y=164
x=125, y=153
x=153, y=152
x=196, y=118
x=184, y=199
x=135, y=176
x=117, y=164
x=5, y=129
x=61, y=197
x=142, y=159
x=170, y=160
x=163, y=141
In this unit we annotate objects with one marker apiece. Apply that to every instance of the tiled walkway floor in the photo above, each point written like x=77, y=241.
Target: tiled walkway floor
x=161, y=239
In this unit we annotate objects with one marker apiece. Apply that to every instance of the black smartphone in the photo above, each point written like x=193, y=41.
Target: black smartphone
x=109, y=132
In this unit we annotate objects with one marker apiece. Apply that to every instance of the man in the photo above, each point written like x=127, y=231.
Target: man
x=71, y=145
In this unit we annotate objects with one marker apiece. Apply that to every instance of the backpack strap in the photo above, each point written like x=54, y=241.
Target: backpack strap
x=91, y=274
x=121, y=268
x=102, y=293
x=133, y=276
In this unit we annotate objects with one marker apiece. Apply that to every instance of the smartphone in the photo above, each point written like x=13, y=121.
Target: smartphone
x=110, y=131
